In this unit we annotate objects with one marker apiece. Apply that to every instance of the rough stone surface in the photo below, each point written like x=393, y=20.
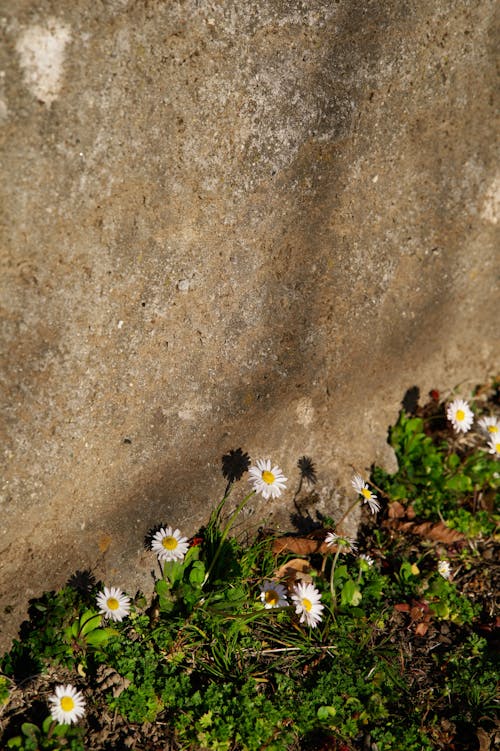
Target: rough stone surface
x=228, y=224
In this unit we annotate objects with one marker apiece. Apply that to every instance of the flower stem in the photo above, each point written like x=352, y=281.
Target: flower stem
x=167, y=567
x=346, y=513
x=226, y=530
x=215, y=515
x=332, y=578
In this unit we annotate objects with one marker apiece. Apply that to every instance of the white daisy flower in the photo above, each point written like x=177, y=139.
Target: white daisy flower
x=490, y=425
x=67, y=705
x=346, y=544
x=494, y=444
x=460, y=415
x=361, y=487
x=367, y=559
x=307, y=601
x=169, y=545
x=266, y=480
x=112, y=603
x=273, y=595
x=444, y=569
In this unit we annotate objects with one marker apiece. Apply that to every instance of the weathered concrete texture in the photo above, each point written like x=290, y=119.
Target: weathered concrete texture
x=228, y=224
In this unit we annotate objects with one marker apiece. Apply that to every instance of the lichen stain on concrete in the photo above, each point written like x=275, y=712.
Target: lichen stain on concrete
x=304, y=411
x=4, y=112
x=490, y=209
x=41, y=53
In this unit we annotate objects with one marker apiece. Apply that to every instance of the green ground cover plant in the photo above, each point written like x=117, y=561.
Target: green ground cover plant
x=309, y=640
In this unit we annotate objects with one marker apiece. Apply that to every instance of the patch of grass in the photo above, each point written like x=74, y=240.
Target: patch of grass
x=441, y=477
x=400, y=655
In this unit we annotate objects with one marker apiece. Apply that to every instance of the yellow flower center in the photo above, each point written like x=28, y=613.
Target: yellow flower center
x=272, y=598
x=306, y=604
x=366, y=493
x=170, y=543
x=67, y=704
x=460, y=415
x=268, y=477
x=492, y=428
x=497, y=448
x=112, y=603
x=415, y=569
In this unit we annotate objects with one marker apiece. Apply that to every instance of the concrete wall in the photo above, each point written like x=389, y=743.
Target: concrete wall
x=228, y=224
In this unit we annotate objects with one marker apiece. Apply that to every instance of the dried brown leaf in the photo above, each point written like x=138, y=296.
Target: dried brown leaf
x=416, y=613
x=438, y=531
x=108, y=678
x=484, y=739
x=420, y=611
x=301, y=546
x=296, y=568
x=421, y=628
x=396, y=510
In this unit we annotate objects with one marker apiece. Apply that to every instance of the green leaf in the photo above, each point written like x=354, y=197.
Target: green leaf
x=100, y=637
x=440, y=609
x=16, y=742
x=326, y=713
x=47, y=723
x=69, y=634
x=30, y=730
x=197, y=573
x=205, y=720
x=162, y=588
x=407, y=571
x=59, y=730
x=399, y=492
x=341, y=573
x=414, y=425
x=166, y=605
x=192, y=555
x=459, y=483
x=351, y=594
x=173, y=570
x=89, y=621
